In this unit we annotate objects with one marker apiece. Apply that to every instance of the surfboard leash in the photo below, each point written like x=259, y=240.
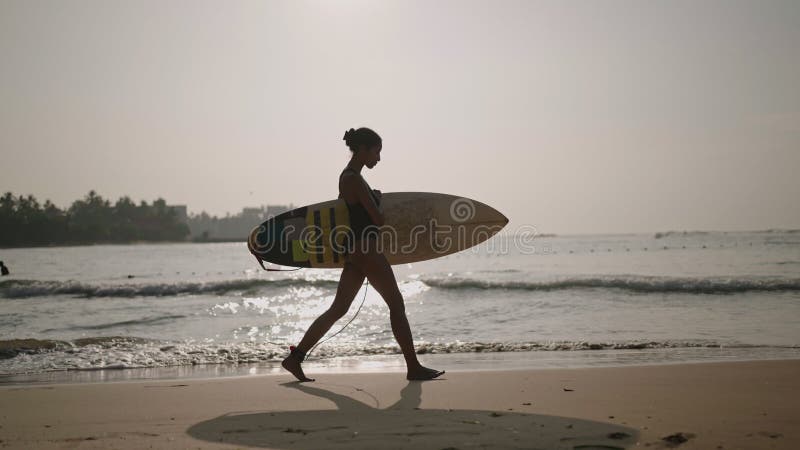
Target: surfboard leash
x=291, y=348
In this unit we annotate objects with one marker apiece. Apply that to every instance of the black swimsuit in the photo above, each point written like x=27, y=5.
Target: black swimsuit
x=359, y=217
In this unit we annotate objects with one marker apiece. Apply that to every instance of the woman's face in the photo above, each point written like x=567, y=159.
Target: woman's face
x=372, y=155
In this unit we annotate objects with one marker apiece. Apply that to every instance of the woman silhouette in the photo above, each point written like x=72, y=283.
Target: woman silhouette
x=363, y=259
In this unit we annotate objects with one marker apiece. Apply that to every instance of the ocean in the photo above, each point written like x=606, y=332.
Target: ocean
x=112, y=312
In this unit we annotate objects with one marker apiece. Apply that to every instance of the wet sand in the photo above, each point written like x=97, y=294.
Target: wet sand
x=704, y=406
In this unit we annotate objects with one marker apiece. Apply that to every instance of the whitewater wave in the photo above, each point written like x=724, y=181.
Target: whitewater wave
x=18, y=289
x=118, y=352
x=45, y=288
x=639, y=284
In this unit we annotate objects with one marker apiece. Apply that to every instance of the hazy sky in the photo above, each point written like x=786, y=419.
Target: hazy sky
x=572, y=116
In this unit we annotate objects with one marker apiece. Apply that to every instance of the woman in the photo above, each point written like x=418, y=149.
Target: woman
x=362, y=260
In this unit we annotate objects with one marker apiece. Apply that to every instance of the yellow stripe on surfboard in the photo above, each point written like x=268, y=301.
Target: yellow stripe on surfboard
x=342, y=218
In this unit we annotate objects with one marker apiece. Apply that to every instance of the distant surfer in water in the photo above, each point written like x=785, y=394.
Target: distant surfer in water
x=363, y=259
x=3, y=269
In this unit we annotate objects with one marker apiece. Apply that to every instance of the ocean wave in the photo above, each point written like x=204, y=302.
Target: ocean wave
x=663, y=234
x=118, y=352
x=103, y=326
x=45, y=288
x=13, y=347
x=639, y=284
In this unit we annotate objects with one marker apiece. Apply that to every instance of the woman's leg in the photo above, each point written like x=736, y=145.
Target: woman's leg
x=381, y=277
x=350, y=282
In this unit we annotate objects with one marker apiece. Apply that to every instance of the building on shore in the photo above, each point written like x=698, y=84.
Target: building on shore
x=181, y=212
x=203, y=227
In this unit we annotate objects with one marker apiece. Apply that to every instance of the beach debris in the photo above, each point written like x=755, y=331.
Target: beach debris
x=471, y=422
x=171, y=386
x=618, y=435
x=568, y=390
x=770, y=435
x=526, y=404
x=495, y=414
x=673, y=440
x=597, y=447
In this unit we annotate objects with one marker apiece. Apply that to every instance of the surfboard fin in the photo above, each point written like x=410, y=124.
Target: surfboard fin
x=261, y=263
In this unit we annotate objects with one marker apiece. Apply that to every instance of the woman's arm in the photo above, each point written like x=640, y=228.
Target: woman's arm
x=354, y=184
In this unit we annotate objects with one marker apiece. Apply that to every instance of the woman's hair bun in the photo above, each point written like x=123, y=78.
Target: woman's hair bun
x=361, y=137
x=348, y=136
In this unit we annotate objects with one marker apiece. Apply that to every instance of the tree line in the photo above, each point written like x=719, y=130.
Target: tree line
x=93, y=219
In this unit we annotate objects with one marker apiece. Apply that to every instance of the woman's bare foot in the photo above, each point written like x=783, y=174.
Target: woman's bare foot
x=292, y=364
x=423, y=373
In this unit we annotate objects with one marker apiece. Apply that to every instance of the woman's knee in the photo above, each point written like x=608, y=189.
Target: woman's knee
x=396, y=306
x=337, y=311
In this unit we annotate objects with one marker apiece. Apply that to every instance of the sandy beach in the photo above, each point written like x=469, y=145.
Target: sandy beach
x=732, y=405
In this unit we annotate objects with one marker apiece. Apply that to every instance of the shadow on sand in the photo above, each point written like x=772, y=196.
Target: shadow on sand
x=356, y=425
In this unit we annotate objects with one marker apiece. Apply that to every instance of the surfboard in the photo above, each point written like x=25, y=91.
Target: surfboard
x=419, y=226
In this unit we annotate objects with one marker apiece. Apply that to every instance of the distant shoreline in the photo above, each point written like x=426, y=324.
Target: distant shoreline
x=87, y=244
